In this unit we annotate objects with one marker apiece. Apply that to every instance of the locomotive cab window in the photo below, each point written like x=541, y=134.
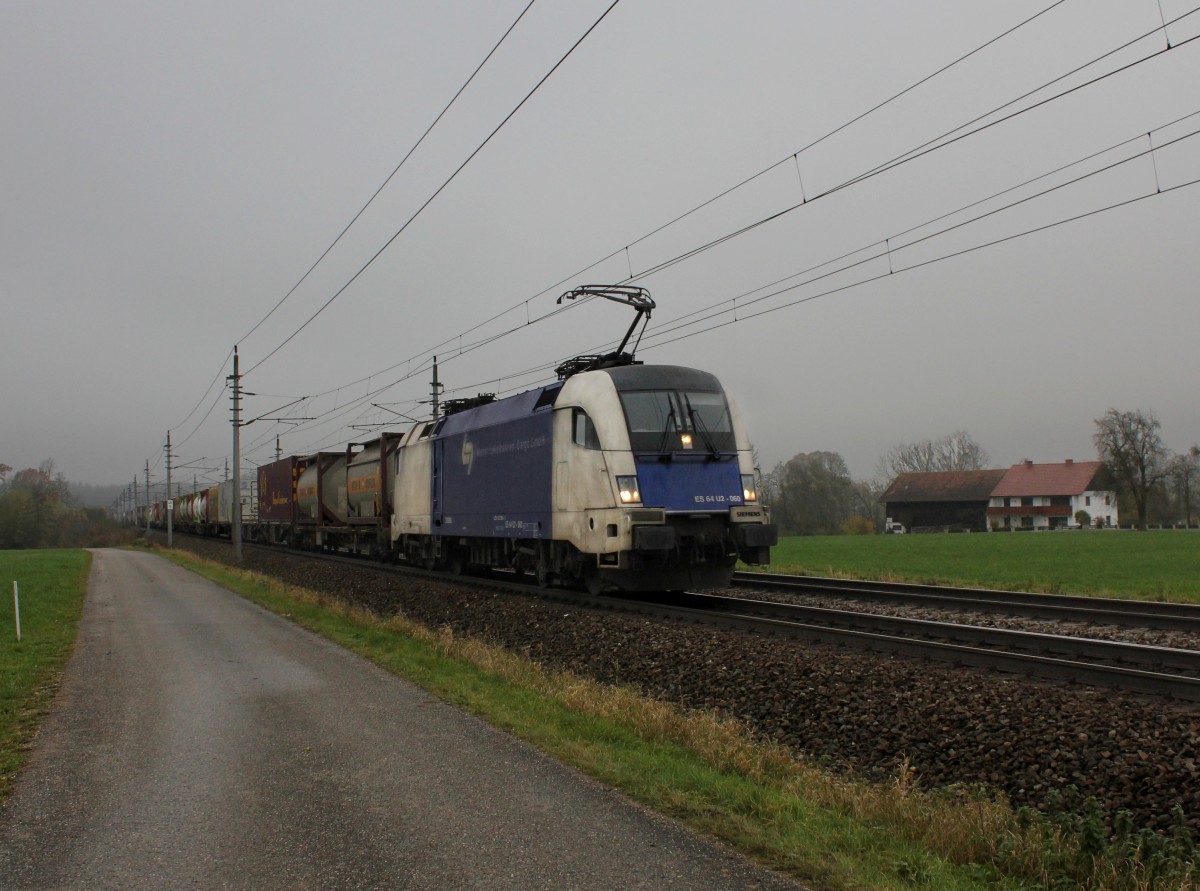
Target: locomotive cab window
x=678, y=420
x=585, y=431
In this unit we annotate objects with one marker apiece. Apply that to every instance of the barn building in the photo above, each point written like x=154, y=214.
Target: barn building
x=951, y=499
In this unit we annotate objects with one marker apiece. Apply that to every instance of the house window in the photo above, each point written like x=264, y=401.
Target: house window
x=1087, y=500
x=1108, y=499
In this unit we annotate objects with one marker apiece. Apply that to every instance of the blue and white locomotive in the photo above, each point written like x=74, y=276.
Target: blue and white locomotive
x=621, y=475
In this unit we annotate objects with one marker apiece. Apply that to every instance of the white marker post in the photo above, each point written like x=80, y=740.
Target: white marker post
x=17, y=608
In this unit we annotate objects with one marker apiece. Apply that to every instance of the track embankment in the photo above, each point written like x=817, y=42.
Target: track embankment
x=1042, y=744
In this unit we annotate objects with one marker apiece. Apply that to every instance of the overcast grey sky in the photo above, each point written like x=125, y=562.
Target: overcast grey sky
x=171, y=170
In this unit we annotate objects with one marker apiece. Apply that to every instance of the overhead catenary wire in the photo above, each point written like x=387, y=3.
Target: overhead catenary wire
x=200, y=401
x=391, y=175
x=896, y=162
x=657, y=330
x=854, y=120
x=625, y=249
x=654, y=336
x=901, y=270
x=950, y=256
x=560, y=283
x=440, y=188
x=936, y=142
x=911, y=155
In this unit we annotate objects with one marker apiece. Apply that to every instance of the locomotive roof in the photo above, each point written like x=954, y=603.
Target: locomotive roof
x=513, y=407
x=625, y=378
x=662, y=377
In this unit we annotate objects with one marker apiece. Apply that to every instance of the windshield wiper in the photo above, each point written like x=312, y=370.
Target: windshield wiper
x=698, y=424
x=667, y=428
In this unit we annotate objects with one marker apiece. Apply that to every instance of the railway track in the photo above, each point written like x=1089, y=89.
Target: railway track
x=1159, y=671
x=1057, y=607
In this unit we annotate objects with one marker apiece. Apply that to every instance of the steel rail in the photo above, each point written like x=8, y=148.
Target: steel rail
x=1060, y=607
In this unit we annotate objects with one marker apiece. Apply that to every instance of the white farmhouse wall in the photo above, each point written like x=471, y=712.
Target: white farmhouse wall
x=1098, y=504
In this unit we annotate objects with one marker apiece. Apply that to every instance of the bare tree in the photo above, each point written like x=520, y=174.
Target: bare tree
x=954, y=451
x=770, y=485
x=1184, y=470
x=866, y=503
x=1129, y=444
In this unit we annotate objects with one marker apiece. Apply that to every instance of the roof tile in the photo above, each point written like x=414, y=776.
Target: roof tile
x=943, y=485
x=1068, y=478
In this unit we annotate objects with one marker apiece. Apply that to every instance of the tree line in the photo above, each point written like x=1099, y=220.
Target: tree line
x=814, y=494
x=811, y=494
x=1155, y=484
x=37, y=510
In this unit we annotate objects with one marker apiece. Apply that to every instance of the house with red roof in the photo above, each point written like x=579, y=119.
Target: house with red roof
x=1048, y=496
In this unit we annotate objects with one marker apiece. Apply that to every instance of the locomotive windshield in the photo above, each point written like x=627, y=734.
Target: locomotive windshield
x=678, y=420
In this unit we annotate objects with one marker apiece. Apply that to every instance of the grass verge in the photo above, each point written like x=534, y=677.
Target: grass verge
x=708, y=773
x=52, y=586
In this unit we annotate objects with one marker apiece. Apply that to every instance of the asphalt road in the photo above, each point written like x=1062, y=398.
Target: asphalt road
x=200, y=742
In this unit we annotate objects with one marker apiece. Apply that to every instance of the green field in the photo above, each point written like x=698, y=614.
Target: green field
x=1155, y=565
x=52, y=586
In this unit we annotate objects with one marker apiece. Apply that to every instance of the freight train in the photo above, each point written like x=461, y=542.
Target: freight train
x=618, y=476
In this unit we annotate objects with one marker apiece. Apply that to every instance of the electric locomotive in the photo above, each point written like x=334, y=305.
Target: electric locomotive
x=635, y=477
x=620, y=475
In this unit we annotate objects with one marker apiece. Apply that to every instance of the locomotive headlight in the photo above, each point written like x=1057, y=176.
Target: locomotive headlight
x=627, y=486
x=749, y=489
x=686, y=439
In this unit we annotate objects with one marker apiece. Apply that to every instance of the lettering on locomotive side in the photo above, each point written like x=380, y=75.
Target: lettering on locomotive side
x=506, y=448
x=502, y=525
x=470, y=451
